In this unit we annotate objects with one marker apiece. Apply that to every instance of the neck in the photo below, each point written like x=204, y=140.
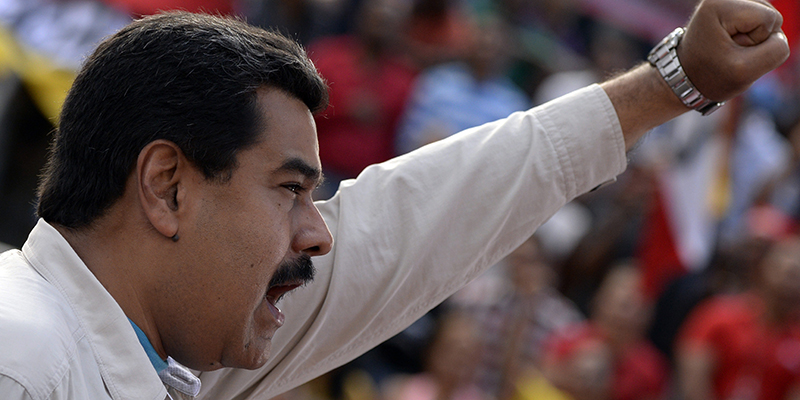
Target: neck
x=105, y=249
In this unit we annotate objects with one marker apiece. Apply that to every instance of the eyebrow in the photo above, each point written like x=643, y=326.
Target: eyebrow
x=297, y=165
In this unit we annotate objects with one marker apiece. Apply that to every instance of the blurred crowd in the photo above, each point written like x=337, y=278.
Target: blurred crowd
x=680, y=281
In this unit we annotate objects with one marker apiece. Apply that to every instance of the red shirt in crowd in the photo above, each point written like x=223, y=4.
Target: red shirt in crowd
x=366, y=101
x=640, y=370
x=753, y=360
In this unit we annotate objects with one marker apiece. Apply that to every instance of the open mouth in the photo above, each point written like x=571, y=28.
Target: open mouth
x=289, y=276
x=274, y=295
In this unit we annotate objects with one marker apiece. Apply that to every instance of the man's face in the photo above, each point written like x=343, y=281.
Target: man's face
x=219, y=308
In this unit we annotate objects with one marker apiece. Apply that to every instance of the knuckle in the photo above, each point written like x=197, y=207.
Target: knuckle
x=778, y=22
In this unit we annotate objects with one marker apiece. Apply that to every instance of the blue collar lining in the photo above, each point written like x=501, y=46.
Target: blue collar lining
x=158, y=363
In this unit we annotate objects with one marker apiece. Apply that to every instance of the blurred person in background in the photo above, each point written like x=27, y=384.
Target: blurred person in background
x=452, y=97
x=616, y=213
x=369, y=87
x=451, y=357
x=438, y=31
x=729, y=272
x=619, y=319
x=580, y=368
x=747, y=346
x=514, y=329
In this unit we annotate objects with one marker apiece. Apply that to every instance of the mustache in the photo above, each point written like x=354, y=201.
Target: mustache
x=300, y=269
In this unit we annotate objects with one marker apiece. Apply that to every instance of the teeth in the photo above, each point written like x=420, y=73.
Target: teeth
x=276, y=313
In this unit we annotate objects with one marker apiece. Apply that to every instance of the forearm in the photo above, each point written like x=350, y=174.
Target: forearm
x=642, y=100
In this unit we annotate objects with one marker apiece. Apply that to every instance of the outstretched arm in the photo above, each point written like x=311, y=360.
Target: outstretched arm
x=727, y=46
x=409, y=232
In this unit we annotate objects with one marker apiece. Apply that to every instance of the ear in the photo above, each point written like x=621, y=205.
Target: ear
x=159, y=171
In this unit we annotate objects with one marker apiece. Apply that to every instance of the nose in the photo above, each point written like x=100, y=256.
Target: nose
x=312, y=236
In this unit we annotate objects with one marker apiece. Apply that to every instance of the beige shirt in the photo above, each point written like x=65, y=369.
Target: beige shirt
x=408, y=233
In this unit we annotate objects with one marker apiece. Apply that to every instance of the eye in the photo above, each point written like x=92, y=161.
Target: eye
x=295, y=188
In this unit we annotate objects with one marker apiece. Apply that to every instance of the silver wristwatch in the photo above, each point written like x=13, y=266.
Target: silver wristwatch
x=665, y=58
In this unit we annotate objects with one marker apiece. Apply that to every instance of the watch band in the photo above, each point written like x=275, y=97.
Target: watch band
x=665, y=58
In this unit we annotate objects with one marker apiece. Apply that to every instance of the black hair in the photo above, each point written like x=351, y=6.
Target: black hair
x=187, y=78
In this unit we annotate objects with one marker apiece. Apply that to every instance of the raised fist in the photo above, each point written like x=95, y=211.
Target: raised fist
x=729, y=44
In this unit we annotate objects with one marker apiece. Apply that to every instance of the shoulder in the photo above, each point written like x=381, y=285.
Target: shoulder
x=724, y=308
x=38, y=331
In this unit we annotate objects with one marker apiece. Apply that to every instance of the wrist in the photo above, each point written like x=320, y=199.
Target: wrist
x=664, y=58
x=642, y=100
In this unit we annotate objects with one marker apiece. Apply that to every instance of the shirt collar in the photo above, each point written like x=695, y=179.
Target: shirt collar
x=158, y=363
x=115, y=347
x=171, y=373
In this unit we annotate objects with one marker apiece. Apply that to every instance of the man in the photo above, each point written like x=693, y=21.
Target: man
x=176, y=206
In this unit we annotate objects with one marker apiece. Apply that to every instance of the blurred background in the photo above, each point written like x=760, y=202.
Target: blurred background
x=680, y=281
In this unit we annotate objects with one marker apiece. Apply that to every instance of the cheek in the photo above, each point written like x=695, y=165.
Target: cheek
x=233, y=254
x=266, y=226
x=247, y=233
x=228, y=253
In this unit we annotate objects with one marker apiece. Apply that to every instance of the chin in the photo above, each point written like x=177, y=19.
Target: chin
x=254, y=363
x=260, y=362
x=251, y=356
